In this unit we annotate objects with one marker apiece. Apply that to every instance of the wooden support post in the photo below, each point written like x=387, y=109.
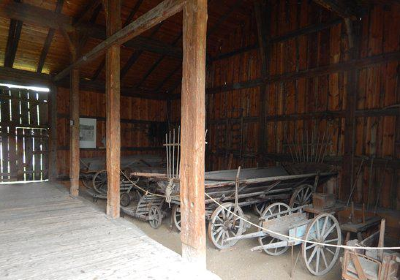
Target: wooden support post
x=263, y=18
x=193, y=234
x=52, y=108
x=74, y=129
x=113, y=135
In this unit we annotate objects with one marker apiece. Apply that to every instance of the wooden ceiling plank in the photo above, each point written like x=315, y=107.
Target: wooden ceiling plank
x=49, y=39
x=161, y=12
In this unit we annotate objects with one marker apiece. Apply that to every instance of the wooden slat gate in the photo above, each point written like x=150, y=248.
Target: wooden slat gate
x=23, y=135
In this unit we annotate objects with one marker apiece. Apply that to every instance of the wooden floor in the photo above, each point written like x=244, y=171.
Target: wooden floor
x=45, y=234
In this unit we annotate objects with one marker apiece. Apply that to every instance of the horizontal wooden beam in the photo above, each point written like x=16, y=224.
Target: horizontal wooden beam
x=132, y=121
x=333, y=160
x=140, y=43
x=310, y=73
x=391, y=111
x=23, y=77
x=278, y=39
x=66, y=148
x=99, y=86
x=161, y=12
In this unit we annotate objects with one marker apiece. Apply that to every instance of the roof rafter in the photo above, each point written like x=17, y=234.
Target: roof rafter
x=49, y=39
x=14, y=33
x=339, y=8
x=87, y=10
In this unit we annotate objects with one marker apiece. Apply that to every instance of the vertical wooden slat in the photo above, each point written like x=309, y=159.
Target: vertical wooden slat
x=113, y=136
x=74, y=130
x=12, y=131
x=53, y=134
x=193, y=132
x=5, y=117
x=28, y=154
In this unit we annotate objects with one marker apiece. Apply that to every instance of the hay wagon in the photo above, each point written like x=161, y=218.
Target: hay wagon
x=254, y=187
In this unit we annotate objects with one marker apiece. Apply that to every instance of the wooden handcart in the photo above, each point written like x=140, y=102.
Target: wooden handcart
x=283, y=227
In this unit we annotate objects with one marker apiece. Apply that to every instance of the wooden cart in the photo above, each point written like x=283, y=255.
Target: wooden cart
x=287, y=227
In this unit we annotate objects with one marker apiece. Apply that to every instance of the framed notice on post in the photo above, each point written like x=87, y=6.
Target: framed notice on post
x=87, y=133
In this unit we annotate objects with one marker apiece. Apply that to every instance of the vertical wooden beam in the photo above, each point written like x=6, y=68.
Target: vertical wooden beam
x=262, y=18
x=193, y=234
x=113, y=136
x=52, y=108
x=74, y=128
x=349, y=133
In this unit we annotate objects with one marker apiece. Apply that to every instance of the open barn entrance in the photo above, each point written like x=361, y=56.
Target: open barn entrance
x=23, y=134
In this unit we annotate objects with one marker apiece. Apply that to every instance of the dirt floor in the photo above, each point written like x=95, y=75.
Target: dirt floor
x=237, y=262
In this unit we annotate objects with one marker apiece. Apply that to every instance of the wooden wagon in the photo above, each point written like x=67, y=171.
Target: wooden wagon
x=94, y=176
x=255, y=187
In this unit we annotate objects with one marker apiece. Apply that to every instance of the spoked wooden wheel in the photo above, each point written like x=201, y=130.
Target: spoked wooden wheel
x=155, y=217
x=319, y=259
x=125, y=199
x=86, y=181
x=99, y=182
x=176, y=216
x=274, y=208
x=301, y=196
x=224, y=224
x=259, y=208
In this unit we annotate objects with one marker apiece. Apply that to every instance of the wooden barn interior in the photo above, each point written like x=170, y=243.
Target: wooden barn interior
x=225, y=85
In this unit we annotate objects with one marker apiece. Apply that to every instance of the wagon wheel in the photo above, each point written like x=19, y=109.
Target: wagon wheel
x=320, y=259
x=224, y=224
x=86, y=182
x=176, y=216
x=99, y=182
x=155, y=216
x=265, y=240
x=302, y=195
x=125, y=199
x=259, y=208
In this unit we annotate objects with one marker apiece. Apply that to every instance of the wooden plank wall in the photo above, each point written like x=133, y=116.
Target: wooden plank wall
x=141, y=120
x=24, y=135
x=313, y=102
